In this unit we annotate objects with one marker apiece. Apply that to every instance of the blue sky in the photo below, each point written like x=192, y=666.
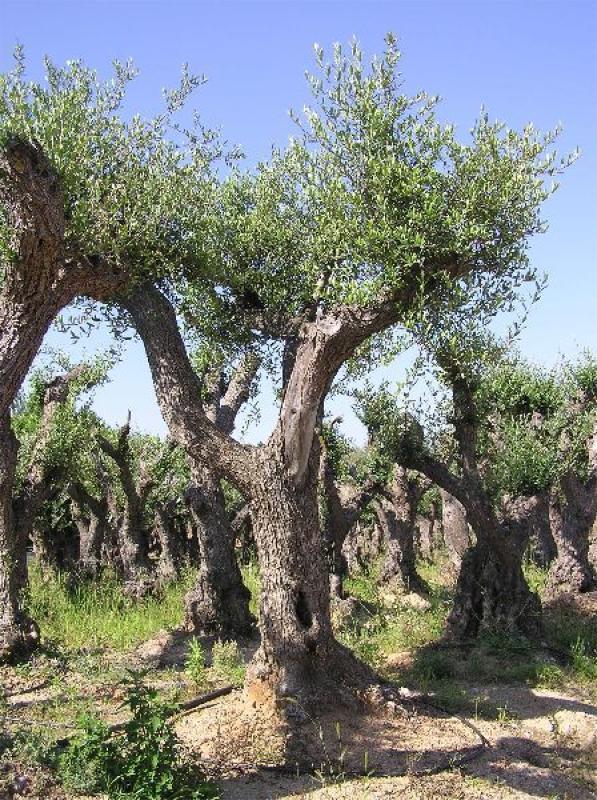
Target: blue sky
x=530, y=60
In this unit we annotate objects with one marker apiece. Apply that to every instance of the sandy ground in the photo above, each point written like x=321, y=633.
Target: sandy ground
x=544, y=746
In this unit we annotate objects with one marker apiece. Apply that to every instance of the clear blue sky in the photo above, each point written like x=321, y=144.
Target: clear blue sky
x=524, y=61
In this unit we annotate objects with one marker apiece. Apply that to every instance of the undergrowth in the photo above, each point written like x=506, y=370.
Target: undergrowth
x=144, y=762
x=94, y=614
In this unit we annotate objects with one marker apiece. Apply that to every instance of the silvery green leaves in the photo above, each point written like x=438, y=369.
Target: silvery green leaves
x=135, y=190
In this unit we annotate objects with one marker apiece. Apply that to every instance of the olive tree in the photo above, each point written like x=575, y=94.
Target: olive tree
x=374, y=214
x=87, y=200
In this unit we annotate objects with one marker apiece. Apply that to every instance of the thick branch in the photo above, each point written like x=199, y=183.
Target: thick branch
x=178, y=389
x=237, y=392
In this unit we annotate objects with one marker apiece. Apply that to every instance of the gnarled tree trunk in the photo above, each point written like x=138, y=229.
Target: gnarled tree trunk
x=491, y=591
x=396, y=513
x=455, y=529
x=299, y=658
x=572, y=512
x=18, y=633
x=219, y=602
x=171, y=555
x=425, y=535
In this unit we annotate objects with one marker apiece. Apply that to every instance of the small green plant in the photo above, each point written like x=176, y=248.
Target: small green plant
x=504, y=714
x=584, y=663
x=227, y=662
x=195, y=663
x=549, y=676
x=145, y=762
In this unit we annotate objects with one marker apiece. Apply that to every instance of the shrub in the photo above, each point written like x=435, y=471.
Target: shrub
x=195, y=663
x=145, y=763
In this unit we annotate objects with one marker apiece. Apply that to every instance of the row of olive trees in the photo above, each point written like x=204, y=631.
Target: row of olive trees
x=513, y=451
x=373, y=220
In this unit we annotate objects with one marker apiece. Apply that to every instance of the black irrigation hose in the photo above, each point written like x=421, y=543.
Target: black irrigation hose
x=181, y=708
x=28, y=691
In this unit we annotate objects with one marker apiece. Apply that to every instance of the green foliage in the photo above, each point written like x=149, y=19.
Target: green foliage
x=135, y=190
x=376, y=198
x=195, y=663
x=227, y=662
x=584, y=660
x=145, y=762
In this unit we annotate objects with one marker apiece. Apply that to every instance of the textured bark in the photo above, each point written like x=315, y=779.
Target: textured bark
x=491, y=590
x=571, y=524
x=572, y=514
x=298, y=659
x=425, y=535
x=455, y=529
x=43, y=276
x=132, y=534
x=242, y=528
x=170, y=543
x=91, y=516
x=219, y=602
x=363, y=546
x=344, y=505
x=296, y=642
x=18, y=634
x=396, y=512
x=542, y=548
x=38, y=281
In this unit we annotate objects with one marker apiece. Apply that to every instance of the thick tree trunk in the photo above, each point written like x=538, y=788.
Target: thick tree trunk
x=425, y=536
x=219, y=602
x=571, y=515
x=491, y=591
x=170, y=543
x=399, y=569
x=299, y=659
x=91, y=517
x=455, y=529
x=18, y=634
x=492, y=594
x=542, y=547
x=396, y=514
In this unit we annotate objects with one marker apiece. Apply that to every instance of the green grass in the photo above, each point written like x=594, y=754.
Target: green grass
x=94, y=615
x=389, y=630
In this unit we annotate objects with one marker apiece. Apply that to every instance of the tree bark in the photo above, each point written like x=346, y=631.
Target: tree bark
x=573, y=514
x=18, y=634
x=299, y=659
x=218, y=604
x=396, y=512
x=344, y=505
x=425, y=535
x=455, y=529
x=170, y=558
x=491, y=590
x=91, y=517
x=38, y=281
x=132, y=535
